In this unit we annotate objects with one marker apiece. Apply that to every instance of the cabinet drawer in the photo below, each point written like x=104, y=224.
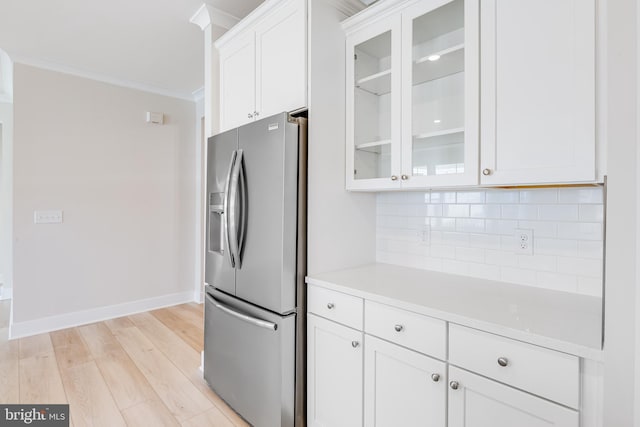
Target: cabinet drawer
x=339, y=307
x=538, y=370
x=415, y=331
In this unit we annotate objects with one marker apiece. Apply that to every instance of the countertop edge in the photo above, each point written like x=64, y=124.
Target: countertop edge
x=536, y=339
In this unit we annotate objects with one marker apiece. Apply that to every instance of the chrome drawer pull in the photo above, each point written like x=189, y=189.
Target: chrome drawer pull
x=330, y=306
x=435, y=377
x=398, y=328
x=454, y=385
x=355, y=344
x=503, y=361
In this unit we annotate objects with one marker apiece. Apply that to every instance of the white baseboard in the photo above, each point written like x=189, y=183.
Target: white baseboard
x=198, y=297
x=77, y=318
x=6, y=293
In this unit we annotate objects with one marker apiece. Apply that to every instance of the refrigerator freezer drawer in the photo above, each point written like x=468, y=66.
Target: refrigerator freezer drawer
x=255, y=375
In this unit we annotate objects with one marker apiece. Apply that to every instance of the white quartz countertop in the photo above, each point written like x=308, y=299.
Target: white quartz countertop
x=558, y=320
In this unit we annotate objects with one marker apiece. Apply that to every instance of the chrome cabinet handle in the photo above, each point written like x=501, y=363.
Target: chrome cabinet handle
x=486, y=172
x=394, y=178
x=330, y=306
x=355, y=344
x=503, y=361
x=256, y=114
x=398, y=328
x=454, y=385
x=435, y=377
x=404, y=177
x=249, y=116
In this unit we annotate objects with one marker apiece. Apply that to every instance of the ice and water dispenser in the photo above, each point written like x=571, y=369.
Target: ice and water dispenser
x=216, y=219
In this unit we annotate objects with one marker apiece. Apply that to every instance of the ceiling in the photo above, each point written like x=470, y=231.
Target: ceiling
x=148, y=44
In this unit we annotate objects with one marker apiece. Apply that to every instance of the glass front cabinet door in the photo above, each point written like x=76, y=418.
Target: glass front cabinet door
x=413, y=96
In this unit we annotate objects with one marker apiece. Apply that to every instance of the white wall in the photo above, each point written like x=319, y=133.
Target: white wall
x=126, y=188
x=341, y=225
x=6, y=155
x=622, y=214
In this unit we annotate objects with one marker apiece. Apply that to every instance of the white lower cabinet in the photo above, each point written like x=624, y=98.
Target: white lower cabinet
x=334, y=374
x=402, y=387
x=475, y=401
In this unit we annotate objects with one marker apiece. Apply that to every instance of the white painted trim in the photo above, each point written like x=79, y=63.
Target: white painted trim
x=5, y=98
x=347, y=7
x=51, y=66
x=77, y=318
x=201, y=18
x=258, y=13
x=377, y=11
x=222, y=19
x=198, y=94
x=6, y=293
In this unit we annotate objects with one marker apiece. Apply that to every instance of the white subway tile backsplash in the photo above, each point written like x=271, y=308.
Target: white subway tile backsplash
x=591, y=213
x=593, y=250
x=470, y=197
x=538, y=262
x=558, y=212
x=519, y=212
x=485, y=211
x=538, y=196
x=502, y=196
x=470, y=254
x=455, y=211
x=472, y=233
x=501, y=227
x=580, y=195
x=444, y=224
x=443, y=197
x=555, y=246
x=580, y=231
x=470, y=225
x=580, y=267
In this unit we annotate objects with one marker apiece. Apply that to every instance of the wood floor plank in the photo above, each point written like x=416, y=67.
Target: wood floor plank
x=35, y=346
x=185, y=312
x=149, y=413
x=9, y=371
x=184, y=329
x=90, y=401
x=209, y=418
x=99, y=339
x=183, y=357
x=40, y=380
x=178, y=393
x=128, y=385
x=118, y=323
x=70, y=348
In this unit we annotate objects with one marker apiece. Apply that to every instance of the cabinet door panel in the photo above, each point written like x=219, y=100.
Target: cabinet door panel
x=480, y=402
x=538, y=91
x=399, y=389
x=237, y=82
x=334, y=374
x=281, y=61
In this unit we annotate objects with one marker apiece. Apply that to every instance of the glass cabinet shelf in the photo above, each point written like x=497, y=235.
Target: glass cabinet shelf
x=373, y=146
x=438, y=133
x=376, y=84
x=449, y=61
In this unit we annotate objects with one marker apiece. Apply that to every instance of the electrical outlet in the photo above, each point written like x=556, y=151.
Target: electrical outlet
x=523, y=241
x=47, y=217
x=424, y=235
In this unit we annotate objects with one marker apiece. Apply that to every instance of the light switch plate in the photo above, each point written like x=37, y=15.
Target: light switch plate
x=47, y=217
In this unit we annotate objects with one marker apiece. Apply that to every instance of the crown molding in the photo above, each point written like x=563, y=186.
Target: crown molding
x=64, y=69
x=347, y=7
x=210, y=15
x=198, y=94
x=264, y=8
x=377, y=10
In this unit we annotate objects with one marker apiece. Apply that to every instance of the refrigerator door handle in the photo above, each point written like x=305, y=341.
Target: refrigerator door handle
x=249, y=319
x=226, y=210
x=234, y=209
x=243, y=210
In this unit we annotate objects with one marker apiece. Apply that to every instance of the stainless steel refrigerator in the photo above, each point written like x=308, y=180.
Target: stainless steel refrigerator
x=254, y=347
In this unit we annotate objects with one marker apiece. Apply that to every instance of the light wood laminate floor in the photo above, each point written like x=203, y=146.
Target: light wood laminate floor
x=138, y=371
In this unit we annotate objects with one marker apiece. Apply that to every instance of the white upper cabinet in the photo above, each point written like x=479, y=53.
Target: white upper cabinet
x=538, y=91
x=263, y=63
x=412, y=97
x=237, y=76
x=444, y=93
